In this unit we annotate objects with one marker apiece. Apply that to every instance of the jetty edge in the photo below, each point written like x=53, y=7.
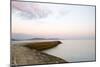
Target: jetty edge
x=40, y=45
x=21, y=55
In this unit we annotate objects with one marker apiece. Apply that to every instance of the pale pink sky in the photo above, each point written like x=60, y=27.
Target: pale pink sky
x=53, y=20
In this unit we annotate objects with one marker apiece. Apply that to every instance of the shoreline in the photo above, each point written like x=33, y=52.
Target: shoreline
x=26, y=53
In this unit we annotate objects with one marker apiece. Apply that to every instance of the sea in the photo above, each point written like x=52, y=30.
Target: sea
x=71, y=50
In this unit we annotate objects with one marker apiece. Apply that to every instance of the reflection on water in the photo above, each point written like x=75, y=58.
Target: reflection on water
x=73, y=50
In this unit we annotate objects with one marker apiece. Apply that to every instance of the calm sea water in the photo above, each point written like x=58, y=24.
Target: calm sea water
x=73, y=50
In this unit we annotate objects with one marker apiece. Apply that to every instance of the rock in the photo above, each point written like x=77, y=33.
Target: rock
x=41, y=45
x=21, y=55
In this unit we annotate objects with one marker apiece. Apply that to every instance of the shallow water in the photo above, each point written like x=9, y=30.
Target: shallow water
x=72, y=50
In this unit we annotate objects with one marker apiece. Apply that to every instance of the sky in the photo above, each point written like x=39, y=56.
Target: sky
x=45, y=20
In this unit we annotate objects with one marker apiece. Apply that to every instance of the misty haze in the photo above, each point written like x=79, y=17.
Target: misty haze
x=64, y=32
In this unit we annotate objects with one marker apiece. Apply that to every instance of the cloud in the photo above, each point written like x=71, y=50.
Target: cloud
x=28, y=10
x=34, y=11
